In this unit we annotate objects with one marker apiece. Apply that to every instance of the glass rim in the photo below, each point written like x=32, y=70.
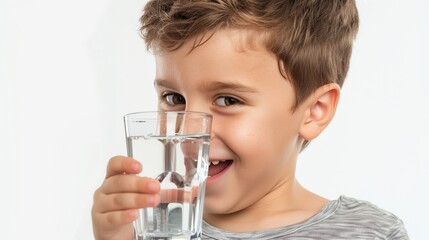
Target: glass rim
x=147, y=114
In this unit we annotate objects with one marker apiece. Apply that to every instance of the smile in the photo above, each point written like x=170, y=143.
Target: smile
x=217, y=169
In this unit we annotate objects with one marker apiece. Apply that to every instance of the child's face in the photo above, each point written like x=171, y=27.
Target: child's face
x=254, y=130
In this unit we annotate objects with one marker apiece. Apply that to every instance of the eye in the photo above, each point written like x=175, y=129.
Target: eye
x=227, y=101
x=174, y=98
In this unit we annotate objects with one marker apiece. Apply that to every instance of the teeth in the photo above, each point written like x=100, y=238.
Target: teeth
x=216, y=162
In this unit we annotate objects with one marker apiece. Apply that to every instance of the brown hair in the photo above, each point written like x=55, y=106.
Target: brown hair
x=312, y=39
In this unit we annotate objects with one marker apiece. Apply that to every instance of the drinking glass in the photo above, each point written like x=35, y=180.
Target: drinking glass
x=173, y=147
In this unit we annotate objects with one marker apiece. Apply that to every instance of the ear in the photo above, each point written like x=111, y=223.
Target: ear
x=319, y=109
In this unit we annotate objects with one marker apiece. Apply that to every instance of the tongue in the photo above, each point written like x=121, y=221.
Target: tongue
x=215, y=169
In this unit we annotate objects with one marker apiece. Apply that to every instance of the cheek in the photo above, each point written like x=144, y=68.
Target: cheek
x=263, y=139
x=250, y=138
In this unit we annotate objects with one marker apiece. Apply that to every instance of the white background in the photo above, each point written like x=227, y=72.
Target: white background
x=69, y=71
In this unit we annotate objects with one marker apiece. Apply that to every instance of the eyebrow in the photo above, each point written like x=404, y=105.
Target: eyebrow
x=217, y=86
x=162, y=83
x=212, y=87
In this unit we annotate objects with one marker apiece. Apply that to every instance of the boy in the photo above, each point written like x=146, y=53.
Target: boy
x=270, y=73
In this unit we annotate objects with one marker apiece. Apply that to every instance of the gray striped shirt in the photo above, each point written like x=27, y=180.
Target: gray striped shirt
x=344, y=218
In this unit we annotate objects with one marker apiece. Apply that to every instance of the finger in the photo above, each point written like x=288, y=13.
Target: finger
x=121, y=164
x=116, y=218
x=126, y=201
x=130, y=184
x=178, y=195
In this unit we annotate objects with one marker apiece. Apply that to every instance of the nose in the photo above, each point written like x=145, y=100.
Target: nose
x=200, y=105
x=195, y=123
x=196, y=126
x=197, y=105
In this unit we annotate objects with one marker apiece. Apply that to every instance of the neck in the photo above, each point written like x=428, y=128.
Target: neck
x=288, y=203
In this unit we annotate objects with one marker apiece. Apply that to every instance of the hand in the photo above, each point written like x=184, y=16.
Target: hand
x=179, y=195
x=117, y=200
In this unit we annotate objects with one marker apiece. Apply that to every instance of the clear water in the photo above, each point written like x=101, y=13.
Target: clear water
x=180, y=163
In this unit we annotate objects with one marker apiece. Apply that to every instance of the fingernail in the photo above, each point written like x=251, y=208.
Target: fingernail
x=136, y=166
x=150, y=200
x=152, y=186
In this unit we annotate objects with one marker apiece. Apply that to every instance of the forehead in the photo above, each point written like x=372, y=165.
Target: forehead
x=224, y=53
x=242, y=39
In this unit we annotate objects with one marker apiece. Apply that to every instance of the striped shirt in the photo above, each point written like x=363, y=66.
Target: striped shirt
x=344, y=218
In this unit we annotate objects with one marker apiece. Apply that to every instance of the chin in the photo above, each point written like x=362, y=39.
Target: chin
x=218, y=207
x=213, y=207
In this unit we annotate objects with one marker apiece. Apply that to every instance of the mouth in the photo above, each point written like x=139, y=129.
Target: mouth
x=218, y=168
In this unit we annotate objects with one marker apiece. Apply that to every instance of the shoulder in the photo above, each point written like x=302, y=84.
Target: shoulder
x=367, y=217
x=344, y=218
x=348, y=207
